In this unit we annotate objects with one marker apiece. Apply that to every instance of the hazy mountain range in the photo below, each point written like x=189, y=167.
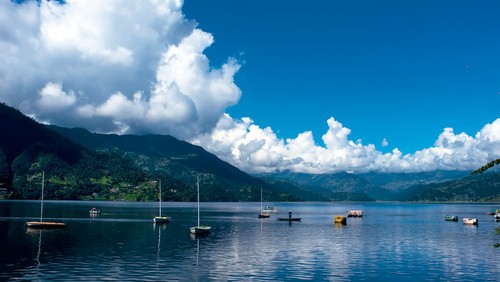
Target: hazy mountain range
x=84, y=165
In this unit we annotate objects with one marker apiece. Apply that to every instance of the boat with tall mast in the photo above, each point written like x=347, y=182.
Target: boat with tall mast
x=199, y=229
x=41, y=223
x=262, y=214
x=160, y=218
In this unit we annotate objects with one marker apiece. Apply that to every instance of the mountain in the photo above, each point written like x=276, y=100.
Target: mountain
x=423, y=186
x=399, y=181
x=483, y=187
x=166, y=155
x=73, y=172
x=347, y=186
x=83, y=165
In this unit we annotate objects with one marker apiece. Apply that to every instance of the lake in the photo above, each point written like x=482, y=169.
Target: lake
x=391, y=242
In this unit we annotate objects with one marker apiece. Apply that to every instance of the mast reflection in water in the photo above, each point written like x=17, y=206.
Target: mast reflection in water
x=392, y=241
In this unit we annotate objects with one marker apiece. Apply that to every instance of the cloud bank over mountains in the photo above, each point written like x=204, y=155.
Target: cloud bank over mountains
x=136, y=67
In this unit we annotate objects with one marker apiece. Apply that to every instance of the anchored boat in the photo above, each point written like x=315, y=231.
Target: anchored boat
x=354, y=213
x=451, y=218
x=41, y=223
x=262, y=214
x=199, y=229
x=160, y=218
x=470, y=221
x=340, y=219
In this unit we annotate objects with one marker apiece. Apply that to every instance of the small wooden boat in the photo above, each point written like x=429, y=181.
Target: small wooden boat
x=497, y=217
x=269, y=209
x=160, y=218
x=199, y=229
x=44, y=224
x=340, y=219
x=491, y=212
x=41, y=223
x=263, y=214
x=289, y=218
x=470, y=221
x=354, y=213
x=94, y=211
x=451, y=218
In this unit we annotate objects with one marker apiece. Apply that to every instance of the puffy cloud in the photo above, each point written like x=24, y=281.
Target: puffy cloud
x=139, y=67
x=127, y=67
x=259, y=150
x=53, y=98
x=385, y=143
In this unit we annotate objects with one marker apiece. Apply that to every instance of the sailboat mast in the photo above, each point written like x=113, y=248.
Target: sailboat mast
x=260, y=199
x=41, y=206
x=160, y=198
x=198, y=192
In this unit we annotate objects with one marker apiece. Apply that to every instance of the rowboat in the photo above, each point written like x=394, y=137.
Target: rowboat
x=451, y=218
x=470, y=221
x=289, y=218
x=340, y=219
x=269, y=209
x=354, y=213
x=44, y=224
x=94, y=211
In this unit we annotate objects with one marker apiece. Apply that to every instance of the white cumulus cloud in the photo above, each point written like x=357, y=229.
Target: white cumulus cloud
x=139, y=66
x=258, y=150
x=53, y=98
x=126, y=66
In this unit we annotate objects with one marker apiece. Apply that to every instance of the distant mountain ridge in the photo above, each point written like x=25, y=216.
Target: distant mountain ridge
x=163, y=154
x=399, y=181
x=84, y=165
x=422, y=186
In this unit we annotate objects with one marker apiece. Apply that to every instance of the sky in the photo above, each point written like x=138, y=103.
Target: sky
x=315, y=87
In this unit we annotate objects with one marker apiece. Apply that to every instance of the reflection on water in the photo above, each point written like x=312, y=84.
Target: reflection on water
x=391, y=242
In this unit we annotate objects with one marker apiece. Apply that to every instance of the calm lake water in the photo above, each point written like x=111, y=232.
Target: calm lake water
x=392, y=242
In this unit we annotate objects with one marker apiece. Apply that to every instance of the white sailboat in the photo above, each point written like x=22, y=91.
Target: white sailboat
x=199, y=229
x=263, y=214
x=41, y=223
x=160, y=218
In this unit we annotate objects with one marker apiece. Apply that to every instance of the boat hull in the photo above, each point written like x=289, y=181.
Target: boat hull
x=269, y=209
x=264, y=215
x=45, y=224
x=200, y=230
x=340, y=219
x=470, y=221
x=289, y=219
x=161, y=219
x=451, y=218
x=354, y=213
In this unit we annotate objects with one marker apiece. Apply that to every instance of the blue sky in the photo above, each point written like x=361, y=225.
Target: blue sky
x=400, y=70
x=315, y=87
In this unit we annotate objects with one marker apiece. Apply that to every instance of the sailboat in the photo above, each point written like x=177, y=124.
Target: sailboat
x=262, y=213
x=41, y=223
x=159, y=218
x=199, y=229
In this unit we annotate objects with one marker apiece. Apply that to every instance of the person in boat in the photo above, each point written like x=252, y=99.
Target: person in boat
x=289, y=214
